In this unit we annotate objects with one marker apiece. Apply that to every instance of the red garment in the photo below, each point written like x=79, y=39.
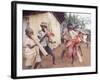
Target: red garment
x=74, y=41
x=50, y=34
x=71, y=46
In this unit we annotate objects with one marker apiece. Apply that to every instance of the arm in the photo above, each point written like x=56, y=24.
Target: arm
x=41, y=37
x=40, y=46
x=31, y=46
x=52, y=42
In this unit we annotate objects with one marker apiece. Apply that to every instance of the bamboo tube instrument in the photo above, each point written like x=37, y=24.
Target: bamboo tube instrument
x=39, y=45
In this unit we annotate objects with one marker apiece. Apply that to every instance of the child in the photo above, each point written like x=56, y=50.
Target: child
x=73, y=47
x=31, y=50
x=44, y=35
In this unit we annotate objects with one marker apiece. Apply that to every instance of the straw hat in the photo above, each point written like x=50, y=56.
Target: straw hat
x=43, y=24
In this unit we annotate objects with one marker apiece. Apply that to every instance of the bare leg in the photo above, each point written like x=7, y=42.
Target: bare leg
x=72, y=59
x=36, y=65
x=79, y=47
x=48, y=49
x=73, y=54
x=70, y=54
x=53, y=58
x=62, y=54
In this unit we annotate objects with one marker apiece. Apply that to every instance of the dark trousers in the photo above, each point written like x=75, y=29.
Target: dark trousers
x=50, y=52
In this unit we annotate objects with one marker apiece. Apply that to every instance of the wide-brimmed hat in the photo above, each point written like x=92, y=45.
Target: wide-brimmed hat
x=43, y=24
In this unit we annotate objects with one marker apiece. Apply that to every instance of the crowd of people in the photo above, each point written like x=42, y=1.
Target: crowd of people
x=35, y=48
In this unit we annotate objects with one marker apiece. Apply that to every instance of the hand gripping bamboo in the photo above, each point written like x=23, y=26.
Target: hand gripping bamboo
x=40, y=46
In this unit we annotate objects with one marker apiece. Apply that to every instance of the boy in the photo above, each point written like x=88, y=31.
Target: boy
x=44, y=36
x=31, y=50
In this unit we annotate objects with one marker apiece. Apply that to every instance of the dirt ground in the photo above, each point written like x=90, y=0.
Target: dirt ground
x=66, y=62
x=47, y=61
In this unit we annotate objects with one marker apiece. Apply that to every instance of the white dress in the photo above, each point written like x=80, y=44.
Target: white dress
x=31, y=55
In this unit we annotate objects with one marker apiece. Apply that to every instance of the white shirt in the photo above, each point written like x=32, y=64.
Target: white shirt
x=73, y=34
x=45, y=41
x=27, y=50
